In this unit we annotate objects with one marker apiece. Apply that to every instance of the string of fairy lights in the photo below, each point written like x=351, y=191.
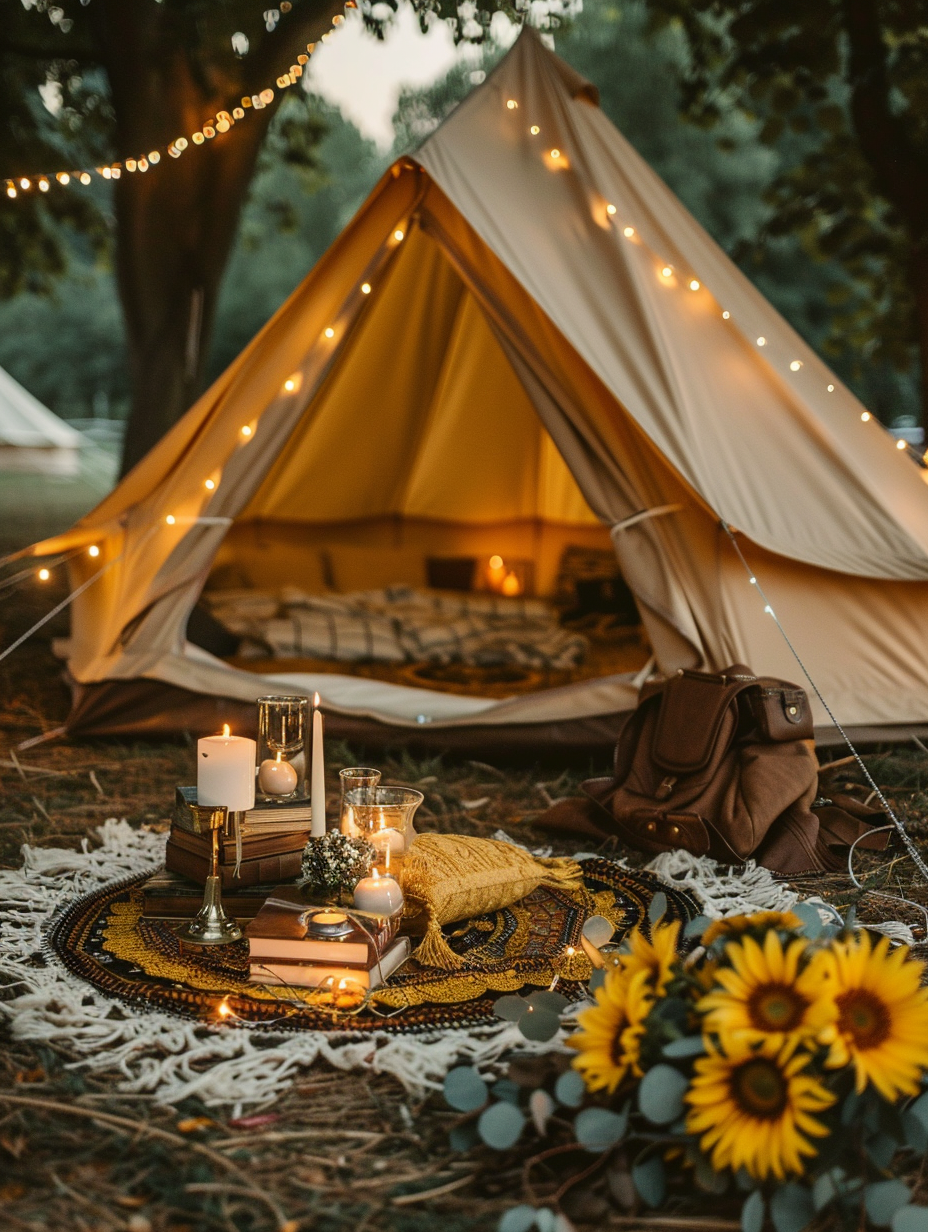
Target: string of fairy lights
x=222, y=122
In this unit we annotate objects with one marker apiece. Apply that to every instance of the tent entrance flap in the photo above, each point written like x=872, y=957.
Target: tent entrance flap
x=422, y=443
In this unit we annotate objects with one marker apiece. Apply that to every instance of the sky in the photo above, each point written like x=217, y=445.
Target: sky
x=363, y=76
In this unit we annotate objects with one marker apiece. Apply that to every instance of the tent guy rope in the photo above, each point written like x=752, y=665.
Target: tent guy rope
x=890, y=812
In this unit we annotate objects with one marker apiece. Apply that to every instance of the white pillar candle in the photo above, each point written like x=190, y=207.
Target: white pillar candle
x=378, y=895
x=226, y=771
x=317, y=784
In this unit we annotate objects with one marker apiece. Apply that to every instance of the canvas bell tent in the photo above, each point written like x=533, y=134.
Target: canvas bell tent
x=32, y=439
x=522, y=342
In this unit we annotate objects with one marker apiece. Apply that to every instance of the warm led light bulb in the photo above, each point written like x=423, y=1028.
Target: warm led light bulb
x=24, y=184
x=900, y=444
x=831, y=390
x=865, y=416
x=44, y=575
x=628, y=232
x=534, y=130
x=762, y=341
x=63, y=178
x=610, y=208
x=496, y=562
x=289, y=385
x=365, y=288
x=511, y=104
x=10, y=190
x=170, y=519
x=397, y=235
x=93, y=550
x=725, y=315
x=198, y=138
x=85, y=177
x=247, y=430
x=555, y=154
x=795, y=365
x=210, y=484
x=330, y=332
x=694, y=284
x=667, y=272
x=43, y=185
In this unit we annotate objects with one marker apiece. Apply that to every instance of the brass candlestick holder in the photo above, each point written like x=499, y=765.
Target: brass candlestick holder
x=211, y=926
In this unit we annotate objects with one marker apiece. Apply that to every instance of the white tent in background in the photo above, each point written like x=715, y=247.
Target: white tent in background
x=32, y=439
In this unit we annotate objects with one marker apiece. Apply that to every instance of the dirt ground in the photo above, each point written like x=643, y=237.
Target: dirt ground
x=338, y=1153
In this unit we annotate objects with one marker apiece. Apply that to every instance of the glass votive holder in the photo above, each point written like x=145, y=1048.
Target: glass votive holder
x=384, y=816
x=283, y=726
x=354, y=778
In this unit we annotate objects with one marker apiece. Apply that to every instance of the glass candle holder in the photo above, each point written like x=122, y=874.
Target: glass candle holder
x=384, y=815
x=354, y=778
x=283, y=725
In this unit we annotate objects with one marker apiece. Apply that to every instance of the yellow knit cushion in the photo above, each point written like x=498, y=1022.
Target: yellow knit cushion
x=452, y=877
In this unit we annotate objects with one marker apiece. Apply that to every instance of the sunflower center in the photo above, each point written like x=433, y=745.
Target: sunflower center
x=776, y=1007
x=864, y=1017
x=759, y=1088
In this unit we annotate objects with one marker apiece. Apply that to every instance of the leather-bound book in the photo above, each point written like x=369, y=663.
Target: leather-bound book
x=317, y=975
x=254, y=870
x=171, y=896
x=288, y=816
x=282, y=931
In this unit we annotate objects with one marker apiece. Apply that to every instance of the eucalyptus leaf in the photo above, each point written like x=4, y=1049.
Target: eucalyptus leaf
x=881, y=1148
x=500, y=1126
x=910, y=1219
x=920, y=1109
x=916, y=1132
x=650, y=1180
x=752, y=1213
x=463, y=1137
x=517, y=1219
x=658, y=908
x=883, y=1198
x=686, y=1046
x=660, y=1094
x=562, y=1223
x=507, y=1090
x=791, y=1208
x=811, y=925
x=539, y=1025
x=709, y=1179
x=545, y=1220
x=464, y=1089
x=826, y=1188
x=598, y=930
x=510, y=1008
x=552, y=1002
x=598, y=1129
x=696, y=927
x=570, y=1089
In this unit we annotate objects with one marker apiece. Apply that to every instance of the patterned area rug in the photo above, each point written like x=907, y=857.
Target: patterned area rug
x=104, y=939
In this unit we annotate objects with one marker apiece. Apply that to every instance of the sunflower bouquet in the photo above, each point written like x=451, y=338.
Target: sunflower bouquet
x=779, y=1067
x=781, y=1059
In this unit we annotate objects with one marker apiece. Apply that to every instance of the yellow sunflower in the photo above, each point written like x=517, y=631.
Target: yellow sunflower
x=609, y=1038
x=751, y=1108
x=882, y=1024
x=736, y=925
x=655, y=957
x=771, y=991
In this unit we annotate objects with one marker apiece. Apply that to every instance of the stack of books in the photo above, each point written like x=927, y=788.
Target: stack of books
x=171, y=896
x=284, y=947
x=273, y=838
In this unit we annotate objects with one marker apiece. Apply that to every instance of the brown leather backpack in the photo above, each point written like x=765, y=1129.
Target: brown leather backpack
x=721, y=765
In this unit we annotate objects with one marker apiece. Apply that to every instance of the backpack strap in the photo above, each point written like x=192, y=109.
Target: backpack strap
x=693, y=706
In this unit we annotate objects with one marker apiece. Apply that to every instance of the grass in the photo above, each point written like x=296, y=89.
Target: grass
x=78, y=1154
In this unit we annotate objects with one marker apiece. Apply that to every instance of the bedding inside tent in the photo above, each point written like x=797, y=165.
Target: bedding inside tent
x=420, y=524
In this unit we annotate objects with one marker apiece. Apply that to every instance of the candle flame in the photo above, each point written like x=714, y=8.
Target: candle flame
x=224, y=1010
x=316, y=699
x=375, y=876
x=226, y=730
x=386, y=863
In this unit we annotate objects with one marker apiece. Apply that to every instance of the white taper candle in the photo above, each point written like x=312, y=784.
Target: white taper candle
x=317, y=785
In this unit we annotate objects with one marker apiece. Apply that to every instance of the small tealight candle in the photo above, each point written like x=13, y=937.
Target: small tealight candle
x=277, y=777
x=329, y=917
x=378, y=895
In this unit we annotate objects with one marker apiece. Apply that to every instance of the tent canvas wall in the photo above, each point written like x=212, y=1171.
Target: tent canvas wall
x=524, y=280
x=32, y=439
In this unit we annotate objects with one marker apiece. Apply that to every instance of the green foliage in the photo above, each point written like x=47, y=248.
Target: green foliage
x=500, y=1126
x=464, y=1089
x=598, y=1129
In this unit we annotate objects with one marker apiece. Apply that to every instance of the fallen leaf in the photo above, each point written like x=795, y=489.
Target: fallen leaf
x=31, y=1075
x=190, y=1125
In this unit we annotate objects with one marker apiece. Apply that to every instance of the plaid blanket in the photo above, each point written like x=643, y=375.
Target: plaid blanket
x=401, y=624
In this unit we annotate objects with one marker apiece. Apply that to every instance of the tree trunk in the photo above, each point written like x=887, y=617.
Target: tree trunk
x=176, y=223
